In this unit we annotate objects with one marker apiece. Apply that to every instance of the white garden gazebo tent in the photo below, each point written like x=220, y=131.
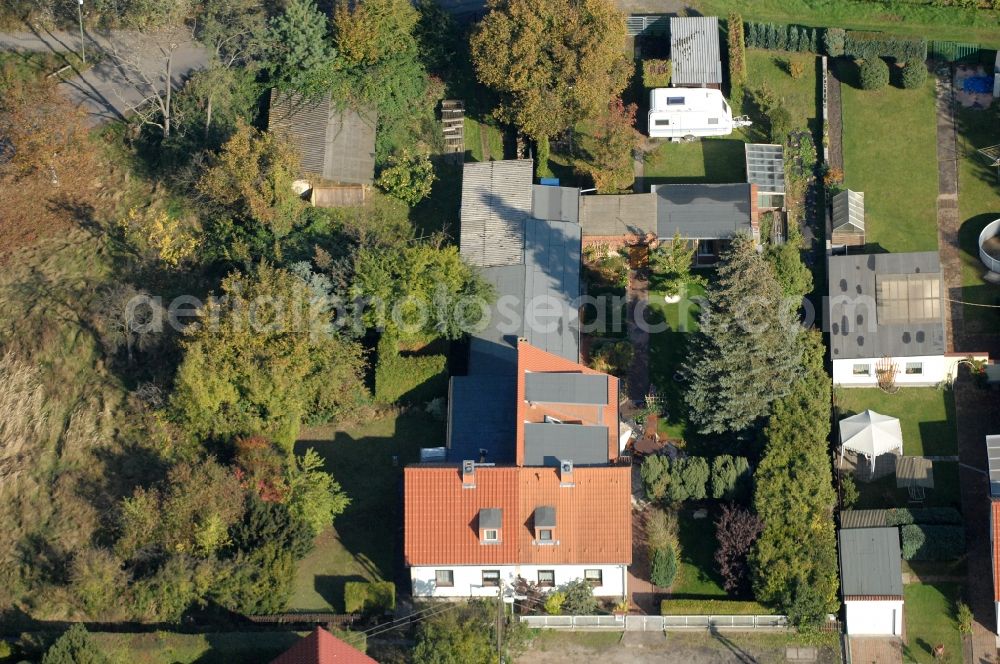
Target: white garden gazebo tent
x=870, y=434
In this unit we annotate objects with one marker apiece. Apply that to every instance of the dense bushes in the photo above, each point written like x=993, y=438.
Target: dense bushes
x=690, y=478
x=415, y=378
x=914, y=75
x=737, y=51
x=781, y=37
x=730, y=477
x=833, y=41
x=871, y=45
x=874, y=74
x=656, y=73
x=369, y=597
x=923, y=542
x=905, y=516
x=664, y=567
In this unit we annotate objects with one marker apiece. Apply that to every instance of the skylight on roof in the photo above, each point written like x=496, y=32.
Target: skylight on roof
x=908, y=298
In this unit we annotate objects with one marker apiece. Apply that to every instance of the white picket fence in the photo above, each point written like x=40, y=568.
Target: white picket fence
x=655, y=623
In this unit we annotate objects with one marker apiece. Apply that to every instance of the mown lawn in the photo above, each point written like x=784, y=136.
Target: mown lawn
x=476, y=133
x=668, y=350
x=890, y=153
x=905, y=17
x=367, y=460
x=978, y=204
x=926, y=415
x=696, y=575
x=929, y=612
x=799, y=95
x=883, y=492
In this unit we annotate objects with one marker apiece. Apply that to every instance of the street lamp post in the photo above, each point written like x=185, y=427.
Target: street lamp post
x=83, y=47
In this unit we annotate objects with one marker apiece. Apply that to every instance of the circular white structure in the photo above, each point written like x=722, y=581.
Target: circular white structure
x=989, y=246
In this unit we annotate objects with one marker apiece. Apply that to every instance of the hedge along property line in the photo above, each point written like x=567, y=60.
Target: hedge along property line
x=369, y=597
x=712, y=607
x=778, y=37
x=835, y=41
x=922, y=542
x=870, y=45
x=416, y=377
x=905, y=516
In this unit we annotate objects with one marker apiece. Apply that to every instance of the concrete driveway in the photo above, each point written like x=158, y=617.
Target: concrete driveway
x=132, y=65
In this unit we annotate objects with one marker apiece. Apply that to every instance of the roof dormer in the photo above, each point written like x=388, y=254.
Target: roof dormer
x=545, y=525
x=490, y=525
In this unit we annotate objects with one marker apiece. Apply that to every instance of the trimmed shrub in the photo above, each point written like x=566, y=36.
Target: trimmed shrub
x=870, y=45
x=904, y=516
x=656, y=73
x=874, y=74
x=579, y=598
x=417, y=378
x=369, y=596
x=737, y=51
x=712, y=607
x=730, y=477
x=833, y=41
x=914, y=75
x=554, y=603
x=922, y=542
x=663, y=569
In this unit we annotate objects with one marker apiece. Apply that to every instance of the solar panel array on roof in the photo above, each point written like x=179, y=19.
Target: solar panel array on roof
x=765, y=167
x=496, y=200
x=547, y=444
x=478, y=428
x=694, y=51
x=993, y=459
x=552, y=277
x=566, y=387
x=849, y=212
x=858, y=330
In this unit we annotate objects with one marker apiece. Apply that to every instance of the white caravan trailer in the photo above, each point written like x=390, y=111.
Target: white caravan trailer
x=691, y=112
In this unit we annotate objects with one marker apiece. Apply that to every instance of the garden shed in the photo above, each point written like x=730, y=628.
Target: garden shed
x=694, y=52
x=871, y=580
x=849, y=219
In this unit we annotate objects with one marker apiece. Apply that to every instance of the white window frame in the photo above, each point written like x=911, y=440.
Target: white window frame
x=914, y=368
x=547, y=584
x=491, y=535
x=451, y=578
x=867, y=369
x=541, y=535
x=493, y=578
x=594, y=577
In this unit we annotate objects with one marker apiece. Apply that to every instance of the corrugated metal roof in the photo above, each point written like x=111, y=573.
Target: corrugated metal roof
x=566, y=387
x=765, y=167
x=595, y=516
x=702, y=211
x=694, y=50
x=855, y=330
x=333, y=143
x=849, y=212
x=618, y=214
x=547, y=444
x=862, y=518
x=496, y=200
x=870, y=562
x=993, y=459
x=555, y=203
x=476, y=424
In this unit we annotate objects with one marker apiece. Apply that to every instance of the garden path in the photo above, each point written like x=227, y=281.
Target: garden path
x=947, y=210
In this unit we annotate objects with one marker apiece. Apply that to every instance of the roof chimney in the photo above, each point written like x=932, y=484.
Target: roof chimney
x=566, y=473
x=468, y=474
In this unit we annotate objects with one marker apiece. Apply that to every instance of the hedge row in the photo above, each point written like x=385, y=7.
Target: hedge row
x=940, y=516
x=418, y=378
x=712, y=607
x=369, y=597
x=922, y=542
x=870, y=45
x=778, y=37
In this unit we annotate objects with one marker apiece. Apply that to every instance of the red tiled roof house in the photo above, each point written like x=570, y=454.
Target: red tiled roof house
x=322, y=647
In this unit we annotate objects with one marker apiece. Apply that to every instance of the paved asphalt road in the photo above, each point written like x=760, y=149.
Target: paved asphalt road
x=132, y=65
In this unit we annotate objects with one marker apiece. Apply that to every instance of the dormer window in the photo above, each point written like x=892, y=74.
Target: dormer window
x=490, y=525
x=545, y=525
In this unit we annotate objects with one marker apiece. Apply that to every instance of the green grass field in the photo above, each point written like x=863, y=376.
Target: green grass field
x=474, y=137
x=978, y=204
x=667, y=350
x=696, y=575
x=926, y=415
x=929, y=612
x=890, y=153
x=172, y=648
x=906, y=17
x=363, y=543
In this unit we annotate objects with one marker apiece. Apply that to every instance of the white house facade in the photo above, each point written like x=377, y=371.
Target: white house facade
x=874, y=617
x=921, y=370
x=483, y=580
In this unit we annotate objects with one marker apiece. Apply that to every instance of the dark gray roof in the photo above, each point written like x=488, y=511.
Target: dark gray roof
x=765, y=167
x=849, y=212
x=862, y=518
x=865, y=290
x=490, y=517
x=870, y=562
x=337, y=144
x=702, y=211
x=618, y=214
x=555, y=203
x=552, y=274
x=547, y=444
x=993, y=459
x=475, y=423
x=566, y=387
x=694, y=50
x=545, y=517
x=496, y=199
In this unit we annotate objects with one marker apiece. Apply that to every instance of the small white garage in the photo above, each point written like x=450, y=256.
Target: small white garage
x=871, y=581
